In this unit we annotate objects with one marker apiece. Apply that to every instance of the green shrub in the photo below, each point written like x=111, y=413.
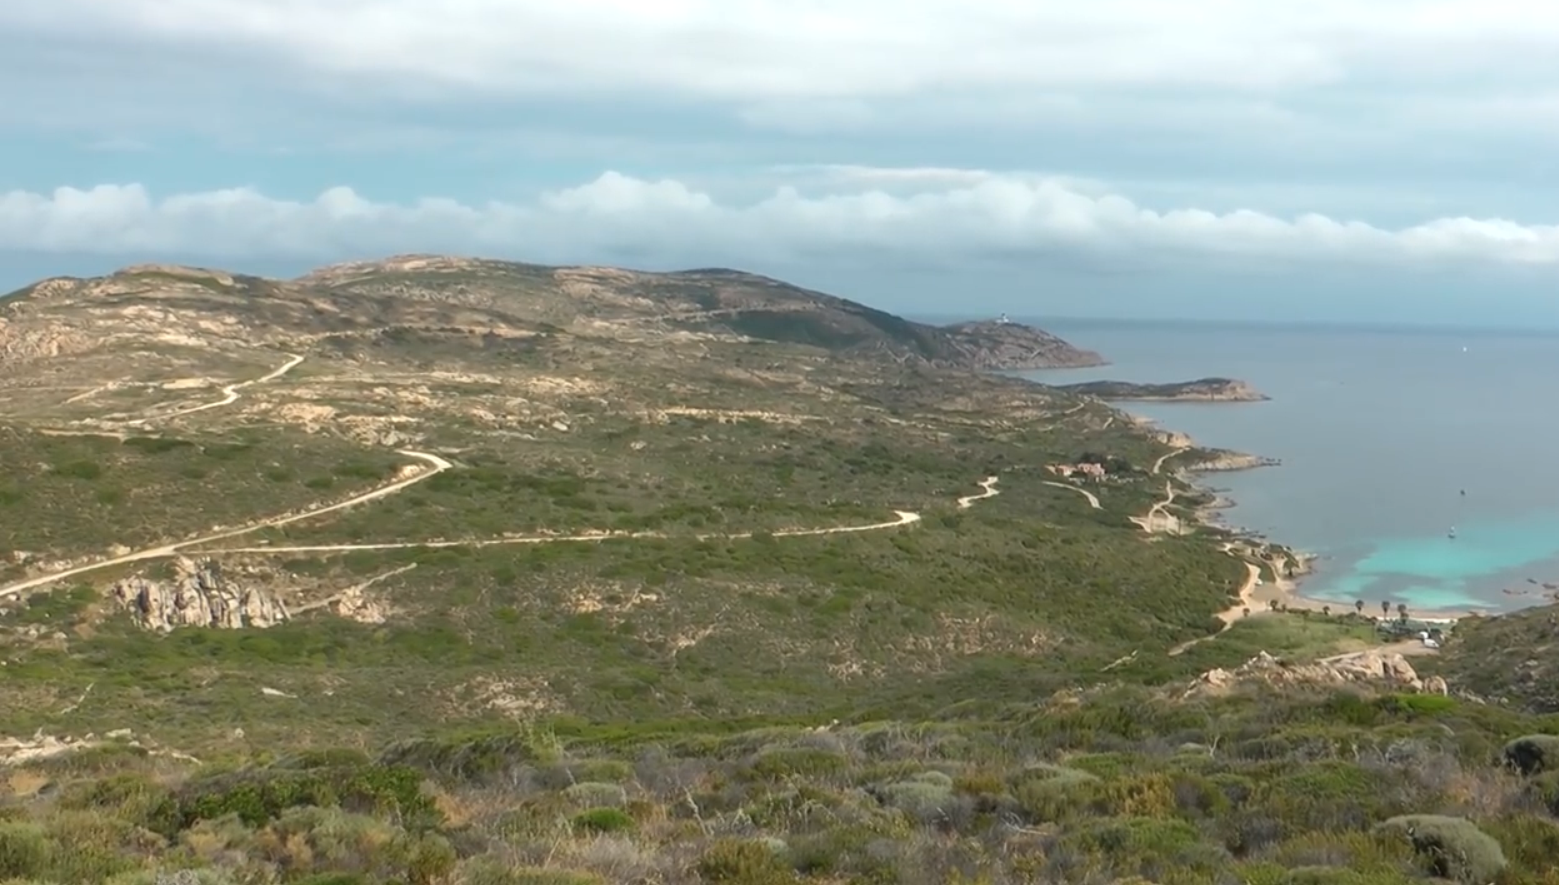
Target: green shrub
x=205, y=877
x=82, y=469
x=474, y=760
x=1533, y=754
x=778, y=763
x=940, y=779
x=602, y=820
x=1327, y=876
x=328, y=758
x=596, y=795
x=1049, y=793
x=1454, y=847
x=1418, y=704
x=133, y=797
x=426, y=858
x=1544, y=789
x=922, y=800
x=606, y=771
x=25, y=850
x=491, y=871
x=259, y=795
x=744, y=862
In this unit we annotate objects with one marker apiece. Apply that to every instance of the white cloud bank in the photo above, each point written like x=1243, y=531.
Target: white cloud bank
x=809, y=49
x=920, y=216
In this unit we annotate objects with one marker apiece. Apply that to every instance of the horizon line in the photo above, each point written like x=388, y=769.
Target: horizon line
x=1380, y=326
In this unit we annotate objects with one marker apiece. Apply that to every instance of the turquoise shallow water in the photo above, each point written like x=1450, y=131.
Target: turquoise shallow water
x=1379, y=431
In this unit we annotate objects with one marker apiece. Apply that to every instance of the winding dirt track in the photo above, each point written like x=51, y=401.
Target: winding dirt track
x=1231, y=614
x=1159, y=464
x=1093, y=500
x=1150, y=520
x=230, y=392
x=988, y=485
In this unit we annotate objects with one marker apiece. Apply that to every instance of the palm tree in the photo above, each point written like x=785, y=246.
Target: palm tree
x=1402, y=610
x=1326, y=611
x=1358, y=606
x=1385, y=608
x=1272, y=604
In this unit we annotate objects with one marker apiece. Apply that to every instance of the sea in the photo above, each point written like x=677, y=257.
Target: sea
x=1389, y=438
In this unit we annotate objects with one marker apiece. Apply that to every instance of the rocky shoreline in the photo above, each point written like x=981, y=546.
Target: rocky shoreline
x=1287, y=565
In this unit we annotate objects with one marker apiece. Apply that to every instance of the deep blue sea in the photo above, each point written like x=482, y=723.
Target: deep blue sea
x=1379, y=432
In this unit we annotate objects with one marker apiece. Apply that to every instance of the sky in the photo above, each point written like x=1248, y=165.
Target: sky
x=1319, y=160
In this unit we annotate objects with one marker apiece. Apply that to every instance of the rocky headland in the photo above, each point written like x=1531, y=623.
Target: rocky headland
x=1211, y=390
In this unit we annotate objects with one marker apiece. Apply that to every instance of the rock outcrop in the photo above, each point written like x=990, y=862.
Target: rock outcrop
x=198, y=595
x=18, y=751
x=1383, y=670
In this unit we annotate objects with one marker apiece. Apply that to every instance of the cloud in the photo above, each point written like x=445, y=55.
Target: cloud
x=935, y=216
x=827, y=63
x=767, y=49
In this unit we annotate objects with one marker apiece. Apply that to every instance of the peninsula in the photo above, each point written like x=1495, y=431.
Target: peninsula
x=1221, y=390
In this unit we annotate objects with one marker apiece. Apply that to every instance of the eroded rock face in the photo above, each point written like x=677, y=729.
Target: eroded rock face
x=198, y=595
x=356, y=605
x=1386, y=670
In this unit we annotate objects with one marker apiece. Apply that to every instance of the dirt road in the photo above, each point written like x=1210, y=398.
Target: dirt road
x=230, y=392
x=1159, y=464
x=1093, y=500
x=438, y=465
x=1150, y=521
x=988, y=485
x=1231, y=614
x=903, y=517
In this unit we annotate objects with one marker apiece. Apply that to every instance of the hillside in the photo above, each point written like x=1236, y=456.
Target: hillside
x=761, y=526
x=450, y=571
x=1509, y=659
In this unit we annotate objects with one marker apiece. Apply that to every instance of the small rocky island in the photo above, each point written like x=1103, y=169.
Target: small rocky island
x=1216, y=390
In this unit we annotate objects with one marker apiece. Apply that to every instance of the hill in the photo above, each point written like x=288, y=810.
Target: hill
x=185, y=307
x=447, y=571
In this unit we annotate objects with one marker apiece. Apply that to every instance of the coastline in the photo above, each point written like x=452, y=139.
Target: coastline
x=1282, y=569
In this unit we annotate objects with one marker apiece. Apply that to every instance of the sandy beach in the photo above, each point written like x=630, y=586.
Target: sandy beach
x=1286, y=592
x=1259, y=594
